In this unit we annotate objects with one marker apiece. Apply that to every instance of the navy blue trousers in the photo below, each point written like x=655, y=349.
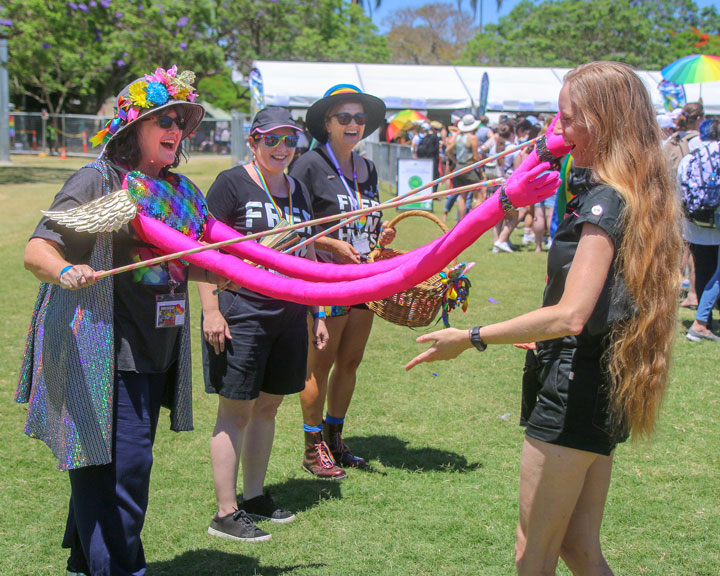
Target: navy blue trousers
x=108, y=503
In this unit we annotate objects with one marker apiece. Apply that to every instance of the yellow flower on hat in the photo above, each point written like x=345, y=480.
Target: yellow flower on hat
x=138, y=94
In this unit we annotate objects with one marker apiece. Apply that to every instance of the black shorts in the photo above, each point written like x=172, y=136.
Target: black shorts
x=267, y=353
x=565, y=401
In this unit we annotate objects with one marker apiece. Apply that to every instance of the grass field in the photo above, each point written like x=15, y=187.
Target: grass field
x=443, y=442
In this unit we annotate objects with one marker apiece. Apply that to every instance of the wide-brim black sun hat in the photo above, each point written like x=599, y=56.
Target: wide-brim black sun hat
x=372, y=105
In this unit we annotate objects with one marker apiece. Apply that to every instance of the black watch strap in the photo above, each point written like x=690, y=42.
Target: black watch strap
x=478, y=342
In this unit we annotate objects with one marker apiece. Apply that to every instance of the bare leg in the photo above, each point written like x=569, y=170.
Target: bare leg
x=320, y=362
x=257, y=443
x=225, y=448
x=581, y=550
x=349, y=356
x=539, y=226
x=552, y=479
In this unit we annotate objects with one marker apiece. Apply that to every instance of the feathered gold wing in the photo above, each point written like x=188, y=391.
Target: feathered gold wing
x=105, y=214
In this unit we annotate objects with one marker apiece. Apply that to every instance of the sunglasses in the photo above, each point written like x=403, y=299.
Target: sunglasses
x=272, y=140
x=166, y=122
x=344, y=118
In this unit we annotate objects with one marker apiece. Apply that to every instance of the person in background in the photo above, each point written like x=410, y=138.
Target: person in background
x=463, y=150
x=606, y=327
x=339, y=180
x=255, y=350
x=705, y=239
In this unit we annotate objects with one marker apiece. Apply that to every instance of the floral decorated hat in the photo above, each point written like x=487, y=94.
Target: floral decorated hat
x=153, y=92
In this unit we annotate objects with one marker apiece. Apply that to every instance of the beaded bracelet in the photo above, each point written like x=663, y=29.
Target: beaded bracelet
x=507, y=206
x=543, y=154
x=318, y=315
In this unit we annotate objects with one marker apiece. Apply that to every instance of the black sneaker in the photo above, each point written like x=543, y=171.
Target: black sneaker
x=263, y=507
x=237, y=526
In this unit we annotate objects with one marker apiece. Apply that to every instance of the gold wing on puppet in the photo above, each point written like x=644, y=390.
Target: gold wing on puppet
x=105, y=214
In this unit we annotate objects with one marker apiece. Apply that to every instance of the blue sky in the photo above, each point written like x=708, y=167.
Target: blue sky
x=382, y=15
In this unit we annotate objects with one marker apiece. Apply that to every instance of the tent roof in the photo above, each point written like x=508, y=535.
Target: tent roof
x=299, y=84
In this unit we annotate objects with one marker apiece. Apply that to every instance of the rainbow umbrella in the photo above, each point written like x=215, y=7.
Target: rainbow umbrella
x=693, y=69
x=402, y=121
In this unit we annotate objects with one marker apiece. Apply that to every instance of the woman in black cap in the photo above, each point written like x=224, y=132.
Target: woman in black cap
x=101, y=357
x=339, y=180
x=255, y=346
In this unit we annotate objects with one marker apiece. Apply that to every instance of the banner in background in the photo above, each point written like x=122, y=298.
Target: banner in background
x=673, y=95
x=484, y=91
x=413, y=173
x=257, y=92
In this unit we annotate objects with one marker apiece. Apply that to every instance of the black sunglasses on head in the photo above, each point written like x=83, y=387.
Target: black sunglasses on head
x=344, y=118
x=272, y=140
x=166, y=122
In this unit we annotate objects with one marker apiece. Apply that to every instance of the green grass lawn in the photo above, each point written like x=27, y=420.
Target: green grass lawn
x=443, y=441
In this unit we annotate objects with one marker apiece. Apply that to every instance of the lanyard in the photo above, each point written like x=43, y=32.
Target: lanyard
x=355, y=203
x=267, y=191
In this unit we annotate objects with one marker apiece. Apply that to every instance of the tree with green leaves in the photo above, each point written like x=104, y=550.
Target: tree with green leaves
x=69, y=56
x=475, y=4
x=564, y=33
x=433, y=34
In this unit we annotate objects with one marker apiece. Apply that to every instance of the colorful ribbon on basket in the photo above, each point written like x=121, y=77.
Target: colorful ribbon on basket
x=457, y=290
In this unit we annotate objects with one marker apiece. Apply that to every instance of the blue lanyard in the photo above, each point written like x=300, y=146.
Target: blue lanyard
x=354, y=203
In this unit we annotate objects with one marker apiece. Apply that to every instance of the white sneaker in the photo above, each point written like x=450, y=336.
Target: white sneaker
x=503, y=246
x=495, y=250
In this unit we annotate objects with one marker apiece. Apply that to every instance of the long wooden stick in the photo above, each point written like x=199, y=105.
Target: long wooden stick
x=317, y=221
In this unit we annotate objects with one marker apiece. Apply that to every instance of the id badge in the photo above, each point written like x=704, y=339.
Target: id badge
x=361, y=242
x=169, y=310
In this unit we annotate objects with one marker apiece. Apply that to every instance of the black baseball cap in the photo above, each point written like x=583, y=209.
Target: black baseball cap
x=271, y=118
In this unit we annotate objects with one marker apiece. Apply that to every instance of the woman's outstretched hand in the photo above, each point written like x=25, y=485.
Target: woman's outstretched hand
x=446, y=345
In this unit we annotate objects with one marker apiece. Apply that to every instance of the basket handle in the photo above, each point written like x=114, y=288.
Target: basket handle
x=400, y=217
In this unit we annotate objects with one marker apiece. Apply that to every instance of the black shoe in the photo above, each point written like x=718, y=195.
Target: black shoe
x=263, y=507
x=237, y=526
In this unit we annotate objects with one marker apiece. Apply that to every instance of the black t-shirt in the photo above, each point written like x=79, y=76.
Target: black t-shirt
x=329, y=196
x=139, y=345
x=237, y=200
x=603, y=206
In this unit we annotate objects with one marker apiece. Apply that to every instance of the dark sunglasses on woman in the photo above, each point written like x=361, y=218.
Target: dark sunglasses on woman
x=344, y=118
x=166, y=122
x=272, y=140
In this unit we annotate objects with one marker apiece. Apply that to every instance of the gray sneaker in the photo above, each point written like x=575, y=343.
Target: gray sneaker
x=263, y=507
x=695, y=336
x=237, y=526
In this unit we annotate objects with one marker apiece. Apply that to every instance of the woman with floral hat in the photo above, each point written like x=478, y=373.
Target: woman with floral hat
x=339, y=180
x=102, y=357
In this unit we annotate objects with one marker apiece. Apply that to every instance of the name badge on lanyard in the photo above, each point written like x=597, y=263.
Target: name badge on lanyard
x=170, y=308
x=360, y=241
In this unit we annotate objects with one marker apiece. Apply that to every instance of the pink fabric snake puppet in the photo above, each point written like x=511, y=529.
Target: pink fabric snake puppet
x=164, y=225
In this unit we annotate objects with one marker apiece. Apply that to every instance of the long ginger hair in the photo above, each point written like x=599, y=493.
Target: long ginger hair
x=610, y=99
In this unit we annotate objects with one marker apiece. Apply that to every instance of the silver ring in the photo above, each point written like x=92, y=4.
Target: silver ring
x=78, y=278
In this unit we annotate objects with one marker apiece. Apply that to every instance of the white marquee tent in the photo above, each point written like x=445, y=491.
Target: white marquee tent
x=299, y=84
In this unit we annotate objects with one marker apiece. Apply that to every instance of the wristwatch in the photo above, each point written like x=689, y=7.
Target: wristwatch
x=478, y=342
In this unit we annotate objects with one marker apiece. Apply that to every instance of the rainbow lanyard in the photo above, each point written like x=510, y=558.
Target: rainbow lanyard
x=354, y=203
x=267, y=191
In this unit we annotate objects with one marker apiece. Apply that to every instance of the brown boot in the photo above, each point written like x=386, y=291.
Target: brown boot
x=318, y=459
x=340, y=450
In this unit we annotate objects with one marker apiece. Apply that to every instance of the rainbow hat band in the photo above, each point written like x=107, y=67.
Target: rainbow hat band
x=336, y=95
x=161, y=89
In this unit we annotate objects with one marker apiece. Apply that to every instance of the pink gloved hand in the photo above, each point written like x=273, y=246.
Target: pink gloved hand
x=531, y=186
x=555, y=142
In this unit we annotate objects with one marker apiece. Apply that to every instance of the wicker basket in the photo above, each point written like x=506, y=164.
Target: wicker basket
x=416, y=306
